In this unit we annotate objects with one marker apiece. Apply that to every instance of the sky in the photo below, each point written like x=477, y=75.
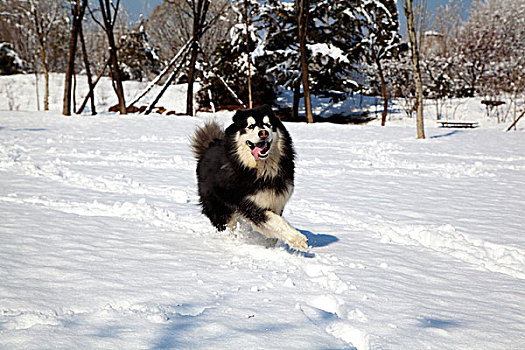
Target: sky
x=136, y=7
x=432, y=5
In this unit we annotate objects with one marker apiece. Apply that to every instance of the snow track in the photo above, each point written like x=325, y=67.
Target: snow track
x=140, y=211
x=447, y=240
x=444, y=239
x=414, y=244
x=58, y=170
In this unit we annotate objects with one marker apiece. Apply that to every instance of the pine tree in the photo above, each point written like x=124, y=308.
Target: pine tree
x=382, y=41
x=139, y=59
x=333, y=44
x=236, y=65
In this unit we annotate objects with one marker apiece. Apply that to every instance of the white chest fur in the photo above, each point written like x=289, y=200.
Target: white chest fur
x=271, y=200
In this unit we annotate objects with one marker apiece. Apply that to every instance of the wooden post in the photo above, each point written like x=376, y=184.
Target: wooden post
x=168, y=82
x=91, y=93
x=516, y=121
x=174, y=60
x=232, y=93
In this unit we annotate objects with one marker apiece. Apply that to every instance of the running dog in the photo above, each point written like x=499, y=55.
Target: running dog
x=247, y=171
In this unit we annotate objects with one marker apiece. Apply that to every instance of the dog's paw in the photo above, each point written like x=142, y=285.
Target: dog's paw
x=299, y=242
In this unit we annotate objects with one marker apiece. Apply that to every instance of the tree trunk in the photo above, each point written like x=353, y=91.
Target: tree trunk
x=42, y=45
x=417, y=71
x=78, y=13
x=46, y=73
x=296, y=99
x=91, y=93
x=191, y=79
x=303, y=8
x=108, y=24
x=115, y=69
x=37, y=94
x=384, y=93
x=74, y=92
x=199, y=10
x=248, y=58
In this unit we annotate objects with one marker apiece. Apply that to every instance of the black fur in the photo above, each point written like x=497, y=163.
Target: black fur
x=225, y=183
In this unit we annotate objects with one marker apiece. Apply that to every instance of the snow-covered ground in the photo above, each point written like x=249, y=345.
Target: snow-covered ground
x=415, y=244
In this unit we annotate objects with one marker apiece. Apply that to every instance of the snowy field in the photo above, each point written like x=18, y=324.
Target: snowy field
x=414, y=244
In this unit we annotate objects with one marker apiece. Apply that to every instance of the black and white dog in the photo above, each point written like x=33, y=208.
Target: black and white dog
x=247, y=171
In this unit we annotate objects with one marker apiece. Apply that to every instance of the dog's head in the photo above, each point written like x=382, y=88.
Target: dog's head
x=257, y=135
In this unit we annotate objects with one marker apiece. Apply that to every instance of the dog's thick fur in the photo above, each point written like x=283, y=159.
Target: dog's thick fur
x=247, y=171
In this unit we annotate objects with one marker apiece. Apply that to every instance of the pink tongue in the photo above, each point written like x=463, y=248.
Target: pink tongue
x=256, y=151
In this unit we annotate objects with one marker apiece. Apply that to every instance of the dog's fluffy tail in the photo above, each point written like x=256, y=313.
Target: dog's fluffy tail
x=204, y=136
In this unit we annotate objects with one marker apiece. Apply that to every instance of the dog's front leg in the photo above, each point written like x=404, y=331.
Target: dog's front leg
x=273, y=226
x=277, y=227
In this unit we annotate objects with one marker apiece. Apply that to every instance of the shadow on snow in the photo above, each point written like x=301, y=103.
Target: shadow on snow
x=430, y=322
x=319, y=240
x=447, y=134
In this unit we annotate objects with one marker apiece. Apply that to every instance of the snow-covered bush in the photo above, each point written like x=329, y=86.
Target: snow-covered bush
x=10, y=61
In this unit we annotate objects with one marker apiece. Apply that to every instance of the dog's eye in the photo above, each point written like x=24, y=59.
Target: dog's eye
x=252, y=126
x=268, y=125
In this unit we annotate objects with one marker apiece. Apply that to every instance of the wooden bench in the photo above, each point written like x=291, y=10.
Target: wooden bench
x=457, y=124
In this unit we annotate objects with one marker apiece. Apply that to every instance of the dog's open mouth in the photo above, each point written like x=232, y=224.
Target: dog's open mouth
x=259, y=150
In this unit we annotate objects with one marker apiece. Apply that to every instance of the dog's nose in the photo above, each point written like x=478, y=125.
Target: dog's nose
x=263, y=134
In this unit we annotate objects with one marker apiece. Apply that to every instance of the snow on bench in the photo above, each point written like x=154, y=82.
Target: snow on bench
x=457, y=124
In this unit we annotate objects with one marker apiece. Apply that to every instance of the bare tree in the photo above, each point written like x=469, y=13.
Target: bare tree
x=77, y=11
x=44, y=14
x=421, y=20
x=417, y=71
x=446, y=23
x=27, y=25
x=109, y=12
x=168, y=26
x=303, y=9
x=199, y=10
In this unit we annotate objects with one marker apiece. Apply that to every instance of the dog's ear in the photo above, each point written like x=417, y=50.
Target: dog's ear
x=238, y=116
x=267, y=110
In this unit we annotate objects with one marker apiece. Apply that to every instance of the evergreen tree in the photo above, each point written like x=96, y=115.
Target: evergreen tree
x=382, y=42
x=10, y=61
x=138, y=59
x=339, y=33
x=334, y=46
x=235, y=64
x=231, y=68
x=333, y=42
